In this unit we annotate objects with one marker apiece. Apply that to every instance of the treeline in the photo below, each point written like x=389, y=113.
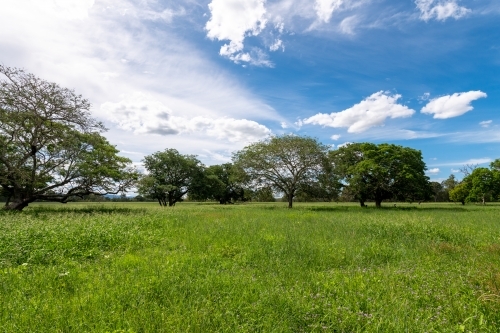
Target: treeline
x=51, y=149
x=294, y=167
x=298, y=168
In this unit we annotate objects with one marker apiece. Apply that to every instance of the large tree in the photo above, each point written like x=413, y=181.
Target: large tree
x=381, y=172
x=222, y=183
x=170, y=176
x=50, y=146
x=285, y=163
x=480, y=185
x=484, y=184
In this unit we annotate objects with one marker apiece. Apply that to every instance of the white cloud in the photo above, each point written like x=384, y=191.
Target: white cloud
x=111, y=49
x=472, y=161
x=325, y=8
x=455, y=170
x=452, y=105
x=425, y=97
x=477, y=161
x=433, y=171
x=345, y=144
x=348, y=24
x=233, y=20
x=142, y=115
x=486, y=123
x=278, y=44
x=71, y=9
x=219, y=157
x=373, y=111
x=335, y=137
x=440, y=9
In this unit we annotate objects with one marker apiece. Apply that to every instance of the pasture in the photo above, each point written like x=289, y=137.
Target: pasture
x=325, y=267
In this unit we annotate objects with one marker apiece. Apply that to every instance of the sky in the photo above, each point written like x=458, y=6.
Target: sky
x=208, y=77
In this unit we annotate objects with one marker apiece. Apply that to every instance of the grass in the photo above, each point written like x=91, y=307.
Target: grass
x=250, y=268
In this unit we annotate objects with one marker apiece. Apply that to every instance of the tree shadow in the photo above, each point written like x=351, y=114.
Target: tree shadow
x=386, y=208
x=35, y=211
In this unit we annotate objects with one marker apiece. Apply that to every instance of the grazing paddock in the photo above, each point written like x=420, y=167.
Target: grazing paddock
x=323, y=267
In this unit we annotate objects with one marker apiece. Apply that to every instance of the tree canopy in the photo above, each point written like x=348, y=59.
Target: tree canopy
x=285, y=163
x=381, y=172
x=50, y=146
x=223, y=183
x=170, y=176
x=480, y=185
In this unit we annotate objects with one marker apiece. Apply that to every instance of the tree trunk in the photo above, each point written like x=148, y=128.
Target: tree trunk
x=16, y=205
x=378, y=203
x=484, y=201
x=290, y=200
x=362, y=203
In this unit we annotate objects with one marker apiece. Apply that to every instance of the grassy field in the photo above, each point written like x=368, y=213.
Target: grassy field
x=250, y=268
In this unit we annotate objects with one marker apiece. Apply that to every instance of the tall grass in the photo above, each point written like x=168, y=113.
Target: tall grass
x=250, y=268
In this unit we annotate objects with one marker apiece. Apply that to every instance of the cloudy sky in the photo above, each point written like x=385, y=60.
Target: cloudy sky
x=209, y=76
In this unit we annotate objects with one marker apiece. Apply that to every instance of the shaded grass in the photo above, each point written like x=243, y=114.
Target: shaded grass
x=249, y=268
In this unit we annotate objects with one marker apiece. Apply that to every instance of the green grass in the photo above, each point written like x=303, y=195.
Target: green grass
x=250, y=268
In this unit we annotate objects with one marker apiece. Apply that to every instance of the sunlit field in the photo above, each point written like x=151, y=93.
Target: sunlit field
x=136, y=267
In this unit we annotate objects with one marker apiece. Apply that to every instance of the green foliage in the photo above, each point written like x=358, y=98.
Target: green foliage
x=381, y=172
x=484, y=185
x=495, y=165
x=222, y=183
x=170, y=176
x=481, y=185
x=287, y=163
x=460, y=192
x=50, y=146
x=263, y=194
x=249, y=268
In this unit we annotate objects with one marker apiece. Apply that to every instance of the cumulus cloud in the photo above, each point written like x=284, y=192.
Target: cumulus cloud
x=71, y=9
x=278, y=44
x=325, y=8
x=486, y=123
x=373, y=111
x=433, y=171
x=233, y=20
x=335, y=137
x=142, y=115
x=440, y=9
x=452, y=105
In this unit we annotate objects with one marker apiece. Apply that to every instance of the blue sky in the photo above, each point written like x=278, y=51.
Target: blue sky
x=208, y=77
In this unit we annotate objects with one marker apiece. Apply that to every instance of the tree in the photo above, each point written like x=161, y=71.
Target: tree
x=263, y=194
x=221, y=183
x=284, y=163
x=325, y=188
x=495, y=165
x=50, y=146
x=438, y=192
x=381, y=172
x=484, y=184
x=460, y=192
x=170, y=176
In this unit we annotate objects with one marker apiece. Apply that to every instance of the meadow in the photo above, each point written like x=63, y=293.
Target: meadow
x=136, y=267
